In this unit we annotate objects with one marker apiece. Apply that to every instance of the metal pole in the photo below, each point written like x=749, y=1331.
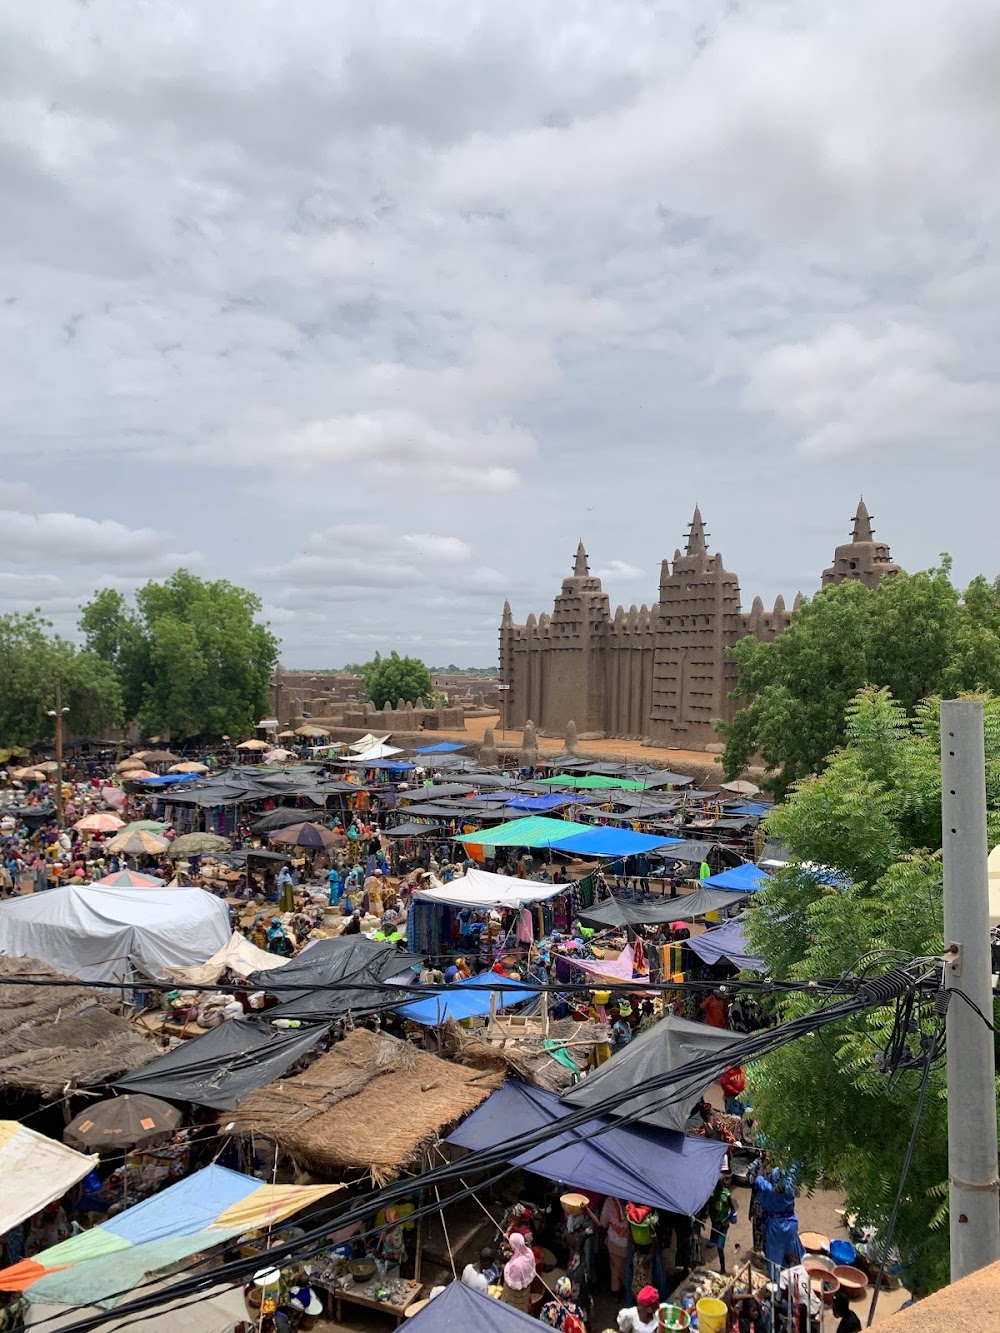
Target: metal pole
x=972, y=1112
x=59, y=754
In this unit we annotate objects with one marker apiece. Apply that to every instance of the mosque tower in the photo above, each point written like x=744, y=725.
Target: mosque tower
x=862, y=558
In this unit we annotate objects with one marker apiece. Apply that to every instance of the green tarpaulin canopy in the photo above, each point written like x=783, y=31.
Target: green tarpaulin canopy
x=532, y=831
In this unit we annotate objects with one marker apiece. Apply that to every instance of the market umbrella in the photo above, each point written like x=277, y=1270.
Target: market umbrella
x=50, y=766
x=278, y=756
x=160, y=757
x=145, y=826
x=133, y=761
x=100, y=822
x=311, y=729
x=27, y=774
x=118, y=1123
x=254, y=745
x=134, y=844
x=286, y=735
x=138, y=775
x=305, y=835
x=742, y=788
x=198, y=844
x=130, y=879
x=192, y=766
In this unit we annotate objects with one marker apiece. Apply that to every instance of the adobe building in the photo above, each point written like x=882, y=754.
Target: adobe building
x=657, y=673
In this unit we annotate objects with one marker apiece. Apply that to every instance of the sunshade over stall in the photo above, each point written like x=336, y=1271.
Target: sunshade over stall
x=106, y=934
x=667, y=1046
x=621, y=912
x=35, y=1171
x=746, y=878
x=479, y=888
x=727, y=943
x=204, y=1210
x=605, y=840
x=220, y=1068
x=471, y=999
x=648, y=1166
x=532, y=831
x=458, y=1308
x=360, y=968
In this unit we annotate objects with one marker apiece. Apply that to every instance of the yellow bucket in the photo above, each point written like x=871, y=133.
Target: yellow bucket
x=711, y=1315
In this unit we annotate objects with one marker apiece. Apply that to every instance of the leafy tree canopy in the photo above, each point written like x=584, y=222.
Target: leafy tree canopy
x=915, y=634
x=874, y=817
x=191, y=656
x=33, y=661
x=390, y=679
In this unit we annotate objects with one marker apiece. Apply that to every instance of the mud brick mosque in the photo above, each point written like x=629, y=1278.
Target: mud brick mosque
x=658, y=673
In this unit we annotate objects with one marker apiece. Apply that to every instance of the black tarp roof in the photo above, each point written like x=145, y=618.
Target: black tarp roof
x=685, y=907
x=363, y=963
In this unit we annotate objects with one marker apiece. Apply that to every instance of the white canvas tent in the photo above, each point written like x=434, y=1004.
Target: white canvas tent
x=99, y=933
x=35, y=1171
x=237, y=955
x=479, y=888
x=379, y=751
x=367, y=741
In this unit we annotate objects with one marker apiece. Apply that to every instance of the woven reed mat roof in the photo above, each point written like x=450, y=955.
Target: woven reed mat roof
x=372, y=1103
x=527, y=1056
x=51, y=1036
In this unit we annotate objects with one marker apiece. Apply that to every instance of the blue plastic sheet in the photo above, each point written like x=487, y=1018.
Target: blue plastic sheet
x=660, y=1168
x=470, y=1000
x=745, y=878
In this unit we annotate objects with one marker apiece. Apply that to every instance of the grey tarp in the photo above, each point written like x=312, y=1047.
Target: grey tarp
x=668, y=1045
x=361, y=967
x=226, y=1064
x=621, y=912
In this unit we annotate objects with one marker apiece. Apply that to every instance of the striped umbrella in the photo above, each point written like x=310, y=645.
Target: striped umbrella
x=137, y=843
x=130, y=879
x=99, y=822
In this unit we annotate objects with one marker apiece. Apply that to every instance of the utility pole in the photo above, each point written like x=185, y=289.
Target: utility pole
x=972, y=1110
x=59, y=713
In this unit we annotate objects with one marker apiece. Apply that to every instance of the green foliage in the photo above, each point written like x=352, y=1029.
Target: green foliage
x=191, y=656
x=913, y=634
x=389, y=679
x=874, y=816
x=33, y=661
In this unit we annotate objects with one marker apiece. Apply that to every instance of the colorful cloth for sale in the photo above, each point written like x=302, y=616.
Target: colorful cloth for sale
x=100, y=1266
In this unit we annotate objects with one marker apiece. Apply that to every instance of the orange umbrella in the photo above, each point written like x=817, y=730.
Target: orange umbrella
x=101, y=822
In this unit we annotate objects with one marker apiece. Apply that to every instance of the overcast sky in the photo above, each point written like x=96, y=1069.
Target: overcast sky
x=377, y=308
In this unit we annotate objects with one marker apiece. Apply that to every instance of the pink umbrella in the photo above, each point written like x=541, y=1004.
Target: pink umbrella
x=130, y=879
x=100, y=822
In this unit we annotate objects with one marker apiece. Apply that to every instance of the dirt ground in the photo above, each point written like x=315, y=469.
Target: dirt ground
x=633, y=751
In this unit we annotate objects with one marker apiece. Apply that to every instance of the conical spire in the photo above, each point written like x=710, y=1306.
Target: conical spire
x=581, y=569
x=696, y=537
x=508, y=618
x=862, y=524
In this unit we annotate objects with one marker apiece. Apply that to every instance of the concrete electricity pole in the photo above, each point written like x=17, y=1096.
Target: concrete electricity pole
x=972, y=1109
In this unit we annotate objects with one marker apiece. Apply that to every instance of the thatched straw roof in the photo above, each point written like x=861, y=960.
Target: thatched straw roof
x=527, y=1057
x=372, y=1103
x=53, y=1038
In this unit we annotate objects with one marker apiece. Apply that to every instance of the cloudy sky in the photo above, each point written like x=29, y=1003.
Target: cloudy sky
x=377, y=307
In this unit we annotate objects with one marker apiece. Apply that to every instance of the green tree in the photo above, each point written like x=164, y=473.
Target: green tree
x=914, y=634
x=33, y=661
x=191, y=656
x=874, y=818
x=390, y=679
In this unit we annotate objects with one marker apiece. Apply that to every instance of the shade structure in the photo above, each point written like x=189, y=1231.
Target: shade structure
x=412, y=830
x=741, y=788
x=471, y=999
x=254, y=745
x=160, y=757
x=373, y=752
x=620, y=912
x=120, y=1123
x=130, y=879
x=659, y=1168
x=278, y=756
x=624, y=1082
x=459, y=1309
x=727, y=943
x=480, y=888
x=609, y=841
x=191, y=766
x=220, y=1068
x=100, y=822
x=133, y=761
x=239, y=956
x=531, y=831
x=138, y=775
x=747, y=878
x=304, y=835
x=219, y=1310
x=100, y=933
x=282, y=817
x=368, y=966
x=35, y=1171
x=442, y=747
x=206, y=1209
x=197, y=844
x=138, y=843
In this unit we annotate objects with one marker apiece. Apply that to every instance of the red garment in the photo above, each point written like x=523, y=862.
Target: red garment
x=733, y=1081
x=714, y=1010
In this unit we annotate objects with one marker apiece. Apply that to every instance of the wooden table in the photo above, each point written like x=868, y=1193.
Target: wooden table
x=361, y=1294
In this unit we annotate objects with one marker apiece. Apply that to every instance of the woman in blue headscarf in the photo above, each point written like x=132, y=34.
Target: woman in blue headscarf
x=776, y=1199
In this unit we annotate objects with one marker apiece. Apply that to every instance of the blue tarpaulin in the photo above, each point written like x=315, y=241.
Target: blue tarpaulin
x=458, y=1309
x=657, y=1167
x=606, y=840
x=470, y=1000
x=442, y=747
x=744, y=879
x=553, y=801
x=164, y=779
x=729, y=943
